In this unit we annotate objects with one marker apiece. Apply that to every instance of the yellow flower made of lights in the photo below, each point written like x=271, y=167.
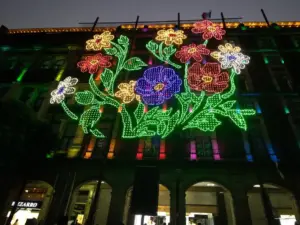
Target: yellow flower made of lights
x=99, y=41
x=126, y=92
x=227, y=48
x=171, y=36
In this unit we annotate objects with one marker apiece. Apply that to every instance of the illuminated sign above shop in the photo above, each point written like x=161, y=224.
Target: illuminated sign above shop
x=28, y=204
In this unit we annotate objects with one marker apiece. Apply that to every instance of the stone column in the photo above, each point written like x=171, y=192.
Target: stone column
x=295, y=204
x=241, y=208
x=181, y=207
x=117, y=204
x=173, y=205
x=62, y=190
x=222, y=214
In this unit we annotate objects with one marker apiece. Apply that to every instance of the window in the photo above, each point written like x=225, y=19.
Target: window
x=260, y=147
x=285, y=84
x=200, y=146
x=27, y=93
x=68, y=136
x=273, y=60
x=148, y=148
x=101, y=147
x=296, y=41
x=266, y=42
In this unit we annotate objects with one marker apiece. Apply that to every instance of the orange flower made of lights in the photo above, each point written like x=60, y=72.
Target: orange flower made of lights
x=126, y=92
x=192, y=51
x=92, y=64
x=170, y=36
x=208, y=77
x=99, y=41
x=208, y=30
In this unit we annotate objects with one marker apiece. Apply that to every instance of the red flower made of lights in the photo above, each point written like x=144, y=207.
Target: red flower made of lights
x=208, y=77
x=92, y=64
x=208, y=30
x=192, y=51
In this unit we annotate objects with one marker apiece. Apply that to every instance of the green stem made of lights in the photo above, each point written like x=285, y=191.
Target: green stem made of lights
x=185, y=81
x=102, y=95
x=127, y=131
x=121, y=59
x=166, y=58
x=68, y=111
x=232, y=86
x=153, y=47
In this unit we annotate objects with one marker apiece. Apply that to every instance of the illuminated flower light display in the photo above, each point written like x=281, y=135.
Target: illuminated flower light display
x=207, y=78
x=92, y=64
x=99, y=41
x=158, y=85
x=171, y=36
x=126, y=92
x=64, y=87
x=208, y=30
x=192, y=51
x=231, y=57
x=207, y=89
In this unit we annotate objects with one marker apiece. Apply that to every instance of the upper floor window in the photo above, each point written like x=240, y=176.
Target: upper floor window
x=266, y=42
x=296, y=41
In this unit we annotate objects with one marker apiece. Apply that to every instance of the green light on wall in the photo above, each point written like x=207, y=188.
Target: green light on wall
x=20, y=77
x=266, y=60
x=286, y=110
x=282, y=61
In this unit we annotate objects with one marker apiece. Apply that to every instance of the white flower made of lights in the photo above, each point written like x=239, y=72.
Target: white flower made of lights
x=64, y=87
x=231, y=57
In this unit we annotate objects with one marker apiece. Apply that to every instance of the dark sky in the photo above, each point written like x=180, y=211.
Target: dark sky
x=68, y=13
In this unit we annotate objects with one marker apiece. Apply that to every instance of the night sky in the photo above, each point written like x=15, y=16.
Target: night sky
x=68, y=13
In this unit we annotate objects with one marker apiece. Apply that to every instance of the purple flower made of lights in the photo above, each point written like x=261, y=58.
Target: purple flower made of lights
x=157, y=85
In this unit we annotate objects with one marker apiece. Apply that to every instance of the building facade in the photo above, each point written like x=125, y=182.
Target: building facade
x=242, y=172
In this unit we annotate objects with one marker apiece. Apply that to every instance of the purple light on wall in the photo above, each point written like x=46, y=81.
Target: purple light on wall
x=193, y=154
x=216, y=150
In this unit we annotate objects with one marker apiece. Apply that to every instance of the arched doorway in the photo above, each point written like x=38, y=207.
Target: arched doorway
x=163, y=212
x=208, y=203
x=82, y=199
x=34, y=203
x=282, y=202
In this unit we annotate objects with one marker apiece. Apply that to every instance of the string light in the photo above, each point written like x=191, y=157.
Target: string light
x=171, y=36
x=126, y=92
x=208, y=78
x=68, y=111
x=192, y=51
x=89, y=119
x=92, y=64
x=208, y=30
x=134, y=63
x=99, y=41
x=157, y=85
x=164, y=54
x=231, y=57
x=64, y=87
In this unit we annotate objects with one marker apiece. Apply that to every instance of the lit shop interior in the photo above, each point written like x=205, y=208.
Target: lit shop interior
x=207, y=203
x=33, y=203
